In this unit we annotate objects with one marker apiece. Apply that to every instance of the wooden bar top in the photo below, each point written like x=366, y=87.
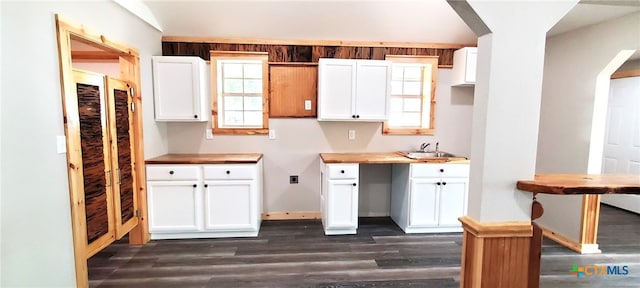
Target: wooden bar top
x=570, y=184
x=205, y=158
x=383, y=158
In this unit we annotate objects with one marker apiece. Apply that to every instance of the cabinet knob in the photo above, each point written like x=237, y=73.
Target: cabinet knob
x=354, y=184
x=206, y=185
x=195, y=185
x=441, y=170
x=353, y=116
x=342, y=171
x=357, y=116
x=438, y=183
x=195, y=116
x=444, y=183
x=171, y=172
x=228, y=172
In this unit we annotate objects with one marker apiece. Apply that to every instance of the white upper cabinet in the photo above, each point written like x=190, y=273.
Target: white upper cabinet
x=464, y=66
x=180, y=89
x=353, y=90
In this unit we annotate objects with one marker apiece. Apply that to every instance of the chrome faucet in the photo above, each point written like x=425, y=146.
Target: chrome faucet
x=424, y=146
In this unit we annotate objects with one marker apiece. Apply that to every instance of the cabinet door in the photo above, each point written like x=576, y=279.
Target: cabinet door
x=174, y=206
x=341, y=204
x=423, y=203
x=177, y=88
x=453, y=201
x=231, y=206
x=94, y=186
x=372, y=89
x=120, y=120
x=336, y=89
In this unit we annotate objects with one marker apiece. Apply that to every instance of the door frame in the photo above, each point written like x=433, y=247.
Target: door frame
x=129, y=61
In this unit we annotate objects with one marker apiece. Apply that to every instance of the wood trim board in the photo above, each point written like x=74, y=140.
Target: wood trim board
x=291, y=215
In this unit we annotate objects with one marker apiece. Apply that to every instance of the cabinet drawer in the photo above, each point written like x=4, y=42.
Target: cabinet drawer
x=173, y=172
x=229, y=172
x=439, y=170
x=342, y=171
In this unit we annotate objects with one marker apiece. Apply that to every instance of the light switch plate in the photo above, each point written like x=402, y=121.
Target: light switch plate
x=272, y=134
x=352, y=134
x=307, y=104
x=61, y=144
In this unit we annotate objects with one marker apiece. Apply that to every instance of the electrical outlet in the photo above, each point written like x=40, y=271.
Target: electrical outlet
x=293, y=179
x=352, y=134
x=272, y=134
x=307, y=104
x=208, y=134
x=61, y=144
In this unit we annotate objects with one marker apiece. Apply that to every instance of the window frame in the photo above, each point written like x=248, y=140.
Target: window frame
x=216, y=56
x=426, y=98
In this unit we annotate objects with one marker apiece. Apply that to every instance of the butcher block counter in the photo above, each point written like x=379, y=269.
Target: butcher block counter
x=568, y=184
x=206, y=158
x=383, y=158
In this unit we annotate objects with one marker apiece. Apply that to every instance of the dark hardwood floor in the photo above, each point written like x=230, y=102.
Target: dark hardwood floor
x=298, y=254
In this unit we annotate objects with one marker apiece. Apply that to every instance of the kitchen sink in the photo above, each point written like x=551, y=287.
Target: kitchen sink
x=425, y=155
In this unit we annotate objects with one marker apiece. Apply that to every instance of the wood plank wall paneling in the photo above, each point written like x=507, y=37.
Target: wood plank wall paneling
x=306, y=53
x=289, y=87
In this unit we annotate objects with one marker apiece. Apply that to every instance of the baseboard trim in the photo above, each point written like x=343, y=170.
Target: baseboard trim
x=291, y=215
x=566, y=242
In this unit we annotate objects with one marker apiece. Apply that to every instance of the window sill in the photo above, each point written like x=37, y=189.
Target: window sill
x=240, y=131
x=407, y=131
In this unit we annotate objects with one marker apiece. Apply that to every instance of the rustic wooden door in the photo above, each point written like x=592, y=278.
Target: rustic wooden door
x=95, y=165
x=125, y=196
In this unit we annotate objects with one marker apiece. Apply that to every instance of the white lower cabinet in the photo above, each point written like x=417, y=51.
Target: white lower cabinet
x=231, y=206
x=429, y=197
x=202, y=201
x=174, y=206
x=339, y=198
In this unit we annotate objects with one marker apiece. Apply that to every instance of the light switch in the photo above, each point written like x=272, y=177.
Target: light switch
x=61, y=144
x=307, y=104
x=352, y=134
x=272, y=134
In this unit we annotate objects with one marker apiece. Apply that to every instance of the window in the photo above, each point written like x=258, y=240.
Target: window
x=240, y=92
x=413, y=99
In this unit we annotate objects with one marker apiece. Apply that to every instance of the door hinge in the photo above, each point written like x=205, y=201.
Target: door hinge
x=132, y=92
x=138, y=213
x=133, y=107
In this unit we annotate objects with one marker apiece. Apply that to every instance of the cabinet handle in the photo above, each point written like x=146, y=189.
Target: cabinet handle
x=206, y=185
x=342, y=171
x=441, y=170
x=171, y=172
x=195, y=116
x=354, y=184
x=228, y=172
x=195, y=185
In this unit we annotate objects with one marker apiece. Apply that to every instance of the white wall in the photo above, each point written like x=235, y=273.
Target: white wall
x=572, y=62
x=35, y=236
x=295, y=151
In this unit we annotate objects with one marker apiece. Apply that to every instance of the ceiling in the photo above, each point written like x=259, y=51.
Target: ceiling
x=426, y=21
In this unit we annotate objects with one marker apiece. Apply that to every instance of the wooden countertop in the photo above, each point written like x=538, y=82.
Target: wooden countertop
x=205, y=158
x=582, y=184
x=383, y=158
